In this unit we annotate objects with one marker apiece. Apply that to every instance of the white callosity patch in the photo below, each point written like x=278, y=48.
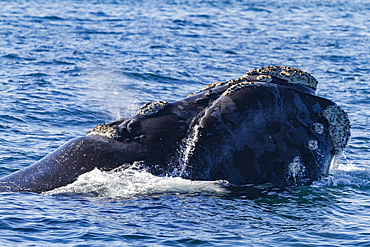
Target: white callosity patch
x=264, y=78
x=296, y=169
x=213, y=85
x=318, y=128
x=236, y=87
x=151, y=108
x=313, y=144
x=241, y=80
x=339, y=127
x=290, y=74
x=264, y=74
x=295, y=166
x=105, y=130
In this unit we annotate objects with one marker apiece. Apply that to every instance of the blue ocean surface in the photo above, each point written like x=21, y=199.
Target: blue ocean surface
x=66, y=66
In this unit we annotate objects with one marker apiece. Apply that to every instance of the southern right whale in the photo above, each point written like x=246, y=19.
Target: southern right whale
x=267, y=126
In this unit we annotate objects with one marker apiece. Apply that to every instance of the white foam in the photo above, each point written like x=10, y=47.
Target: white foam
x=342, y=163
x=128, y=183
x=343, y=172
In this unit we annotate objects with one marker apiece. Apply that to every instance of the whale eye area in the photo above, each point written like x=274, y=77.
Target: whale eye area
x=127, y=129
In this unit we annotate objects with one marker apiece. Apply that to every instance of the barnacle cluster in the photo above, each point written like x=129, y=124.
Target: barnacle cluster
x=213, y=85
x=237, y=87
x=151, y=108
x=264, y=78
x=290, y=74
x=313, y=144
x=318, y=128
x=339, y=127
x=265, y=74
x=105, y=130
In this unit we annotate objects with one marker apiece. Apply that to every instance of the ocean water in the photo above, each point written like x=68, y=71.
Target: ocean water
x=66, y=66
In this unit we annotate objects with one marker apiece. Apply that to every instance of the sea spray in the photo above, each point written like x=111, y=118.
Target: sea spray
x=111, y=92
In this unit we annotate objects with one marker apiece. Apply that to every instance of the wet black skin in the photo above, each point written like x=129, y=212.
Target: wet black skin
x=251, y=137
x=246, y=137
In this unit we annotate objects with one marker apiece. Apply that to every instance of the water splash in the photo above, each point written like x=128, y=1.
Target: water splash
x=187, y=150
x=134, y=182
x=337, y=164
x=344, y=172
